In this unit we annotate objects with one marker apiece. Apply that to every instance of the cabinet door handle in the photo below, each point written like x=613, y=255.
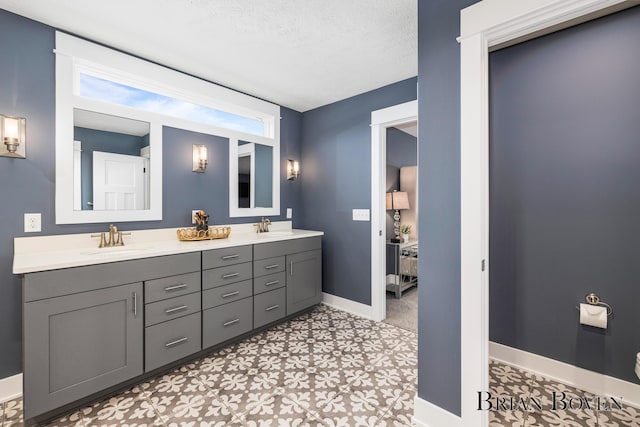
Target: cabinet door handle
x=230, y=275
x=175, y=287
x=290, y=268
x=269, y=267
x=230, y=294
x=173, y=310
x=273, y=307
x=135, y=304
x=176, y=342
x=226, y=257
x=231, y=322
x=275, y=282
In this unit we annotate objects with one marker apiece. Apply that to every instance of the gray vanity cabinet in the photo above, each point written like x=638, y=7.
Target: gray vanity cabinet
x=76, y=345
x=303, y=273
x=304, y=280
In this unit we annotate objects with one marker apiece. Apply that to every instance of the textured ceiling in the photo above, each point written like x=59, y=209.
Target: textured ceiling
x=300, y=54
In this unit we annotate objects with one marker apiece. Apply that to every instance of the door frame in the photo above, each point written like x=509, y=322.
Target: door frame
x=380, y=121
x=485, y=26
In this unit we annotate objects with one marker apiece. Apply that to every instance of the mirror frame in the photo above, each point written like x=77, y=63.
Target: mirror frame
x=234, y=210
x=66, y=101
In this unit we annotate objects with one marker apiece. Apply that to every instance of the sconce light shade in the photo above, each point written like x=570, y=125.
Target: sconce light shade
x=293, y=169
x=13, y=130
x=200, y=158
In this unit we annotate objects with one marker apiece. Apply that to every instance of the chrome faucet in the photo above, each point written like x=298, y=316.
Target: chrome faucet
x=263, y=225
x=115, y=237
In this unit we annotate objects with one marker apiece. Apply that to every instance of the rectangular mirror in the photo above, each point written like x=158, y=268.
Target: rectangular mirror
x=254, y=186
x=111, y=162
x=255, y=171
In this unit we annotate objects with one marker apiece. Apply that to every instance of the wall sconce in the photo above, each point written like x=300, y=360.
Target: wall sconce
x=13, y=130
x=293, y=169
x=200, y=159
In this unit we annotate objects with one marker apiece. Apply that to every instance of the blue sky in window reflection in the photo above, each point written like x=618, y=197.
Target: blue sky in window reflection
x=115, y=93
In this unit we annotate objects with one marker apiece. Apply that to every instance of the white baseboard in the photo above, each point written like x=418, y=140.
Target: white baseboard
x=593, y=382
x=347, y=305
x=10, y=388
x=426, y=414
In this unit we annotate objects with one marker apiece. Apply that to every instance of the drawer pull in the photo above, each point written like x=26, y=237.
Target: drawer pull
x=269, y=267
x=135, y=304
x=231, y=322
x=274, y=282
x=230, y=294
x=230, y=275
x=176, y=342
x=273, y=307
x=173, y=310
x=230, y=256
x=175, y=287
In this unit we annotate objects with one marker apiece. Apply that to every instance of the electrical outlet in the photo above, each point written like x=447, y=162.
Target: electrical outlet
x=361, y=215
x=32, y=222
x=289, y=213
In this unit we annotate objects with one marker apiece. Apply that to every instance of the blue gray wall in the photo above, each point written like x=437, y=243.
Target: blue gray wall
x=439, y=201
x=28, y=88
x=402, y=148
x=565, y=204
x=336, y=178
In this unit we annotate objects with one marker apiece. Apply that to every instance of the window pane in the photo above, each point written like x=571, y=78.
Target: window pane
x=116, y=93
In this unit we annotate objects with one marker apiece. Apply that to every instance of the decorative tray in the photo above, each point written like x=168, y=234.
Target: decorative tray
x=192, y=234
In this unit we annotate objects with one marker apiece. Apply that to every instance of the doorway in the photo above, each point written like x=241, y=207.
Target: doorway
x=381, y=120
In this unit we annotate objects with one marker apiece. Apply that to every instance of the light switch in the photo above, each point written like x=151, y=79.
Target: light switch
x=289, y=213
x=361, y=215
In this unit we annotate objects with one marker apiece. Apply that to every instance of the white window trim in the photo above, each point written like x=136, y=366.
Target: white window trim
x=75, y=55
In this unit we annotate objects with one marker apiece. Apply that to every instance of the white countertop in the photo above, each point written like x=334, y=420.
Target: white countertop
x=32, y=254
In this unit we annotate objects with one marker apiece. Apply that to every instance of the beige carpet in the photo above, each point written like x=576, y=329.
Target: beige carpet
x=403, y=312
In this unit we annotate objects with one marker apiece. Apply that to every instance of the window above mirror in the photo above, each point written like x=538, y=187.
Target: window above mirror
x=100, y=92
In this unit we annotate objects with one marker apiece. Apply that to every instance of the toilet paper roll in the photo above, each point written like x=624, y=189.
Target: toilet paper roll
x=593, y=315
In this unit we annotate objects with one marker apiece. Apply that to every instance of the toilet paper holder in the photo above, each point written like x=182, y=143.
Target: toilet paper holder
x=594, y=299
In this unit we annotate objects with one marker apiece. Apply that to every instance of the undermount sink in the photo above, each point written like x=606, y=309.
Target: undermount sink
x=114, y=250
x=275, y=233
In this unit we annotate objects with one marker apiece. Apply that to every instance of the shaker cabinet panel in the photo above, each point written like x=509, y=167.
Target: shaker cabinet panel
x=226, y=321
x=304, y=280
x=226, y=256
x=172, y=340
x=225, y=275
x=170, y=287
x=76, y=345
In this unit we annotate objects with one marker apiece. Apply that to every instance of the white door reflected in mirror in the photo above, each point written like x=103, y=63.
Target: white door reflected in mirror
x=118, y=181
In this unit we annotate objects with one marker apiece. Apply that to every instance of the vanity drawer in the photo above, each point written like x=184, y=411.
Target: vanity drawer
x=269, y=283
x=172, y=308
x=226, y=321
x=226, y=294
x=269, y=307
x=171, y=341
x=268, y=266
x=286, y=247
x=225, y=275
x=226, y=256
x=169, y=287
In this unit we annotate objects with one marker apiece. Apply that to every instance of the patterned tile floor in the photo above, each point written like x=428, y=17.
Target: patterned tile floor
x=324, y=368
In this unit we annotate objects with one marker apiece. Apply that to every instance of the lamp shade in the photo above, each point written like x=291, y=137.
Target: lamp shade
x=398, y=200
